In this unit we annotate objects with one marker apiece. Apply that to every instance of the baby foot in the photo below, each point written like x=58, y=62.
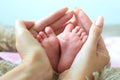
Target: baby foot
x=89, y=59
x=49, y=41
x=71, y=41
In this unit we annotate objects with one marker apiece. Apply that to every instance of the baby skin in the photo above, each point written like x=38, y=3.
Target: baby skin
x=71, y=41
x=51, y=45
x=62, y=50
x=88, y=60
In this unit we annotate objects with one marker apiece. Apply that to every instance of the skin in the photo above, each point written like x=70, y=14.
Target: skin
x=34, y=28
x=71, y=41
x=50, y=43
x=88, y=59
x=84, y=21
x=72, y=38
x=57, y=21
x=35, y=57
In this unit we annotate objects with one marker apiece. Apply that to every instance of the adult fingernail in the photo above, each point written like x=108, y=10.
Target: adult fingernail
x=99, y=21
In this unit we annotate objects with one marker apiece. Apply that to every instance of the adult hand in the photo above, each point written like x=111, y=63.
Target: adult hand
x=88, y=60
x=84, y=21
x=56, y=20
x=35, y=64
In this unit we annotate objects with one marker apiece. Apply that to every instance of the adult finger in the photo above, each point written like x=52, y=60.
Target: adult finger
x=83, y=19
x=26, y=44
x=60, y=23
x=29, y=24
x=50, y=19
x=76, y=13
x=96, y=29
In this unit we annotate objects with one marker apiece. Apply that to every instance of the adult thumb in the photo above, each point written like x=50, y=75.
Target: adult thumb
x=19, y=27
x=96, y=29
x=24, y=39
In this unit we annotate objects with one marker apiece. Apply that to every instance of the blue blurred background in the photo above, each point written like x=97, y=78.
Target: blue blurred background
x=10, y=10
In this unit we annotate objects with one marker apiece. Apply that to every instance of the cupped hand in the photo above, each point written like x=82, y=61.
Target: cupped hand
x=84, y=21
x=56, y=20
x=35, y=64
x=88, y=60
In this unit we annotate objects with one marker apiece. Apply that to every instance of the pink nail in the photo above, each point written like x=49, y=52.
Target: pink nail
x=99, y=21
